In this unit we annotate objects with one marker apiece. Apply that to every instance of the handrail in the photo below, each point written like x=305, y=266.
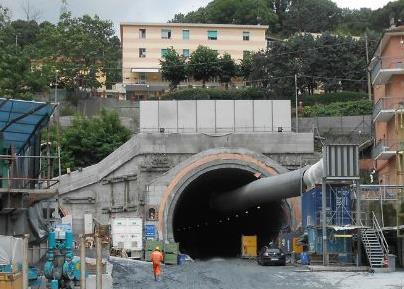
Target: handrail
x=380, y=234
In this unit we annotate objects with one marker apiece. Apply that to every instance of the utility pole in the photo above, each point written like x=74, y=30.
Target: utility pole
x=296, y=106
x=358, y=223
x=367, y=68
x=82, y=262
x=324, y=219
x=98, y=262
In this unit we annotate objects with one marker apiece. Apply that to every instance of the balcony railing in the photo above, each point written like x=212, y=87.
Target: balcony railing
x=385, y=108
x=383, y=68
x=386, y=149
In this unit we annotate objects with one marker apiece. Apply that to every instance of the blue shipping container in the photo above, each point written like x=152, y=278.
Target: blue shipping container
x=338, y=206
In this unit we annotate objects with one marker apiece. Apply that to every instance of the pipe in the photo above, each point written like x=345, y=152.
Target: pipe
x=82, y=263
x=98, y=262
x=259, y=192
x=268, y=189
x=25, y=262
x=314, y=174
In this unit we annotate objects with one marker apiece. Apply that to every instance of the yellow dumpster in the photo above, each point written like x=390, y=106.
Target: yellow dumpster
x=248, y=246
x=11, y=280
x=297, y=248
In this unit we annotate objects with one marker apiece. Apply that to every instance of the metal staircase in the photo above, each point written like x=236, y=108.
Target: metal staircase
x=375, y=244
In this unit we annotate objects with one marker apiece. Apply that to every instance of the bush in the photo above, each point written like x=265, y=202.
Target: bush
x=215, y=93
x=328, y=98
x=360, y=107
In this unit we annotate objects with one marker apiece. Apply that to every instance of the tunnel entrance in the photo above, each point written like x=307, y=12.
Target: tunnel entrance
x=203, y=232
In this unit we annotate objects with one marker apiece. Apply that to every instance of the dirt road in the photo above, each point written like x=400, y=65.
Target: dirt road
x=243, y=274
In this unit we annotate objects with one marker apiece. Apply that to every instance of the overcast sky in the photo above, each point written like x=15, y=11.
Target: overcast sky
x=135, y=10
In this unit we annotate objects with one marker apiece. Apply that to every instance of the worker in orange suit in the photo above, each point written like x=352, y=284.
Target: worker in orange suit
x=156, y=259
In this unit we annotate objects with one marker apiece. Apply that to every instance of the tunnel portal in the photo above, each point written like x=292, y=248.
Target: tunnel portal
x=203, y=232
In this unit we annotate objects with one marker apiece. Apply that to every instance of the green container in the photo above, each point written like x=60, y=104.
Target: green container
x=152, y=244
x=172, y=248
x=171, y=259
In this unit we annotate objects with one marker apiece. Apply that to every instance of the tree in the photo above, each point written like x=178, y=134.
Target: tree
x=31, y=13
x=227, y=69
x=355, y=22
x=173, y=68
x=4, y=16
x=89, y=140
x=231, y=11
x=203, y=64
x=331, y=62
x=19, y=77
x=80, y=50
x=280, y=7
x=245, y=67
x=311, y=16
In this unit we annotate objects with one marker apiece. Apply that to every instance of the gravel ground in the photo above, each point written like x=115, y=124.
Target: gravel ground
x=242, y=274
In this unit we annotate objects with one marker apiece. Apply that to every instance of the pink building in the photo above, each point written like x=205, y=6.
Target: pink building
x=387, y=70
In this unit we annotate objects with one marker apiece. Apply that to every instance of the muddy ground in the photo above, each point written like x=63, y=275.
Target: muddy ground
x=241, y=274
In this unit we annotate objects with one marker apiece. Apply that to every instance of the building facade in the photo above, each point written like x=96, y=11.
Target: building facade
x=387, y=75
x=144, y=44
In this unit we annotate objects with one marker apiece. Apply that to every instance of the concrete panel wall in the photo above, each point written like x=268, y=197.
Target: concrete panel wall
x=244, y=115
x=215, y=116
x=280, y=109
x=263, y=117
x=206, y=116
x=224, y=115
x=168, y=115
x=186, y=116
x=149, y=120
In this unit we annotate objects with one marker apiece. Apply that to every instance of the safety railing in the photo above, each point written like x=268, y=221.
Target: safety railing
x=380, y=234
x=385, y=145
x=386, y=63
x=388, y=103
x=24, y=172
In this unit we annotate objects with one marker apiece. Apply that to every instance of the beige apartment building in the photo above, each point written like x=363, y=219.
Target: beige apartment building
x=144, y=44
x=387, y=69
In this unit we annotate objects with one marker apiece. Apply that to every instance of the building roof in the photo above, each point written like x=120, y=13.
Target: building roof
x=195, y=25
x=20, y=120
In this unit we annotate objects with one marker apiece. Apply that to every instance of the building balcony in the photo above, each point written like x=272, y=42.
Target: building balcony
x=386, y=107
x=385, y=149
x=384, y=68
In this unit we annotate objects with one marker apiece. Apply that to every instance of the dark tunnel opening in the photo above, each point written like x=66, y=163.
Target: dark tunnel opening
x=204, y=233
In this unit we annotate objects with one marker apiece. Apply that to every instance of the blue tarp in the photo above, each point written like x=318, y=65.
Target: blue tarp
x=20, y=120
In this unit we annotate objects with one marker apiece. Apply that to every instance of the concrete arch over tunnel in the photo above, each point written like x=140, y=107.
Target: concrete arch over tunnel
x=204, y=232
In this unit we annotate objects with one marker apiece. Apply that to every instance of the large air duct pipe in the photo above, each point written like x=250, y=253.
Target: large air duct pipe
x=265, y=190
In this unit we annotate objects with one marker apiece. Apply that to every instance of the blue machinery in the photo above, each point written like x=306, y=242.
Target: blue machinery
x=61, y=268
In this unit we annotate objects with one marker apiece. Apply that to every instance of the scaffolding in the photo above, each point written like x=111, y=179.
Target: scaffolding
x=26, y=164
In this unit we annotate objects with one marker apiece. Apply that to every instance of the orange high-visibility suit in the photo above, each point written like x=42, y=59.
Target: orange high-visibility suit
x=156, y=259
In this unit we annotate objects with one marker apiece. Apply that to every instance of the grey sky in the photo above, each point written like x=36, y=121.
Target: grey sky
x=135, y=10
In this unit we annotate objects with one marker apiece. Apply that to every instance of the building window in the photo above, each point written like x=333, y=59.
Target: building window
x=212, y=35
x=246, y=36
x=164, y=52
x=165, y=34
x=185, y=34
x=142, y=52
x=142, y=33
x=185, y=53
x=142, y=77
